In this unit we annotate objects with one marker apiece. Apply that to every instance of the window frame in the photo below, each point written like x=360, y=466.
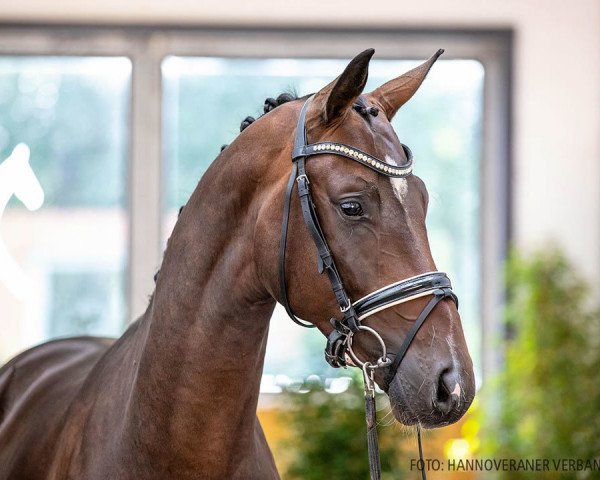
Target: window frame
x=148, y=46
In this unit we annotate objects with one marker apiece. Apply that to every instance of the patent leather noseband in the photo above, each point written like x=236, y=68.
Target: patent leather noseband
x=338, y=351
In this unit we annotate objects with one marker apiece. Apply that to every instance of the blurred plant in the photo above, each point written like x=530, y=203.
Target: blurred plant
x=327, y=435
x=546, y=401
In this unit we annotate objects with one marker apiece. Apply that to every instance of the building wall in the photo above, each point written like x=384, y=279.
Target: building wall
x=556, y=86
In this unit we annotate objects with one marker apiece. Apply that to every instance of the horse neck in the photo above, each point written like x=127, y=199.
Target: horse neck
x=205, y=331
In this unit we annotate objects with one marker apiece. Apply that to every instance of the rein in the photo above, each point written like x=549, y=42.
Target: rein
x=338, y=351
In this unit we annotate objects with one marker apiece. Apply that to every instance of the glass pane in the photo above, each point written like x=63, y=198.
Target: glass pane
x=63, y=217
x=205, y=99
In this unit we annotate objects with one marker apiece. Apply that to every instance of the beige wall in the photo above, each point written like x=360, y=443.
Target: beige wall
x=556, y=175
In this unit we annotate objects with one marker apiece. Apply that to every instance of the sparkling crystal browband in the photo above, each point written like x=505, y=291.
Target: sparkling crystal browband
x=352, y=153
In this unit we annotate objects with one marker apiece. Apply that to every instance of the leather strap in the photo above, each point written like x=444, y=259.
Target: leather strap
x=357, y=155
x=403, y=291
x=422, y=462
x=438, y=296
x=282, y=247
x=325, y=259
x=372, y=440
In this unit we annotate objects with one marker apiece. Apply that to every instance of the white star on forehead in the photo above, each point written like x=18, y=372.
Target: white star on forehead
x=399, y=185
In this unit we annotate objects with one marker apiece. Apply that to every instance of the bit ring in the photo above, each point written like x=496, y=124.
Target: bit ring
x=382, y=361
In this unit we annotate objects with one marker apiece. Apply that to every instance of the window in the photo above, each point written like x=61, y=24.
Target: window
x=64, y=263
x=188, y=91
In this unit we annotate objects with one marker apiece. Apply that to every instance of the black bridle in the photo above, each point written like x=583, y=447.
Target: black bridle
x=338, y=351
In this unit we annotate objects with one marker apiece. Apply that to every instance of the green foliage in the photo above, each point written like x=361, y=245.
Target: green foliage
x=328, y=436
x=546, y=401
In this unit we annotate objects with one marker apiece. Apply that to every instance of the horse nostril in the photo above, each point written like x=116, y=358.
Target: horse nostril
x=447, y=393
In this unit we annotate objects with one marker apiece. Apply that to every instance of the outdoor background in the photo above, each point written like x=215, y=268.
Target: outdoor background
x=124, y=106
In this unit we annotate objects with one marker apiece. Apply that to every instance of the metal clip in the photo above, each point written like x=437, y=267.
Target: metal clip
x=368, y=370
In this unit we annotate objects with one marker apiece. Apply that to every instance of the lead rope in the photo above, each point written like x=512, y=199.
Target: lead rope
x=371, y=420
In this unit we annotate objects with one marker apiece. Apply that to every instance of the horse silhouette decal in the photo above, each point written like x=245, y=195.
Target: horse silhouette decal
x=17, y=178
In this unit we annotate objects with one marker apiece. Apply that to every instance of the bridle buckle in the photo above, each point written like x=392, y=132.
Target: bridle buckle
x=346, y=308
x=303, y=177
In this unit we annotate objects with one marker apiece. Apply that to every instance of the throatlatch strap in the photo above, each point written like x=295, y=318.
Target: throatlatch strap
x=282, y=245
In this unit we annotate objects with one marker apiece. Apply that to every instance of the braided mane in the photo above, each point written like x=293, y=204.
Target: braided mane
x=270, y=104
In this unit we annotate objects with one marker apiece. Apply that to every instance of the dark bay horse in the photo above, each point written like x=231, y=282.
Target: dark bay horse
x=176, y=395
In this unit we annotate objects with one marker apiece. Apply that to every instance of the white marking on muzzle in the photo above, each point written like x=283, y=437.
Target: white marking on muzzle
x=456, y=390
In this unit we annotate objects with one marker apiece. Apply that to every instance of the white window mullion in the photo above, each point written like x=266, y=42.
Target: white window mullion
x=145, y=179
x=495, y=202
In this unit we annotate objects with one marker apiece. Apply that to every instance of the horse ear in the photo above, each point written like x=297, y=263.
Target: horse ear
x=336, y=98
x=395, y=93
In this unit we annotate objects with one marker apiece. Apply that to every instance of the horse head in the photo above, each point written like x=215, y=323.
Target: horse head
x=373, y=220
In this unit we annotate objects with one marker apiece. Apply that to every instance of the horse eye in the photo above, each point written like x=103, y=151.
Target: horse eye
x=352, y=209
